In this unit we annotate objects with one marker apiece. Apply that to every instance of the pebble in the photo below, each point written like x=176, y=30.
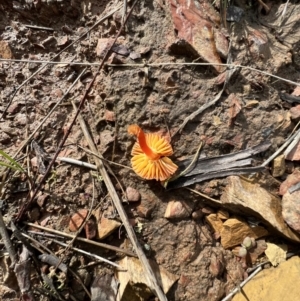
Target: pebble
x=291, y=180
x=177, y=209
x=77, y=219
x=132, y=195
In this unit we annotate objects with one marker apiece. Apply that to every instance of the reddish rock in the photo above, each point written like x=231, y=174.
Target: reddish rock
x=109, y=116
x=90, y=229
x=132, y=195
x=77, y=219
x=295, y=112
x=291, y=180
x=177, y=209
x=291, y=209
x=103, y=46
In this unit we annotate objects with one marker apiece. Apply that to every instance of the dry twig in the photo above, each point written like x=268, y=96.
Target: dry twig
x=88, y=241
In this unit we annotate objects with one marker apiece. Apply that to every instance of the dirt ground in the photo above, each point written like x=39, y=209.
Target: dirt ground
x=158, y=98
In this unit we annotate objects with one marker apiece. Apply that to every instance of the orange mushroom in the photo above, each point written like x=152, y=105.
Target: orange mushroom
x=150, y=153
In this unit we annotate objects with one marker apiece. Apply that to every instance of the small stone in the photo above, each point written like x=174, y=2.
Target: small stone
x=295, y=112
x=278, y=166
x=215, y=222
x=57, y=93
x=109, y=116
x=290, y=181
x=197, y=214
x=235, y=230
x=144, y=50
x=132, y=195
x=177, y=209
x=146, y=208
x=14, y=108
x=103, y=46
x=291, y=209
x=5, y=51
x=106, y=227
x=77, y=220
x=63, y=41
x=135, y=55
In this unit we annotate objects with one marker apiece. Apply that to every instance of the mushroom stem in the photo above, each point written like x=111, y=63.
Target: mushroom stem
x=136, y=130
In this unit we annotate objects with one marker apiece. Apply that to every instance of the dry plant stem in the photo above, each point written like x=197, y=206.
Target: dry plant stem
x=157, y=65
x=50, y=252
x=283, y=146
x=56, y=56
x=101, y=158
x=230, y=295
x=118, y=205
x=7, y=242
x=88, y=254
x=38, y=27
x=88, y=241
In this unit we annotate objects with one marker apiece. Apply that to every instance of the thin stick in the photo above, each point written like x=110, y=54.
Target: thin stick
x=118, y=204
x=283, y=146
x=56, y=56
x=203, y=195
x=50, y=252
x=156, y=65
x=230, y=295
x=88, y=254
x=88, y=241
x=39, y=27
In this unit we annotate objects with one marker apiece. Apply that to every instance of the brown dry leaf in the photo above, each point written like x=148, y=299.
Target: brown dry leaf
x=235, y=107
x=133, y=278
x=276, y=253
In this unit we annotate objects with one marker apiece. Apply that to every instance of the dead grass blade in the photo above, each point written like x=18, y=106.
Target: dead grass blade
x=118, y=204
